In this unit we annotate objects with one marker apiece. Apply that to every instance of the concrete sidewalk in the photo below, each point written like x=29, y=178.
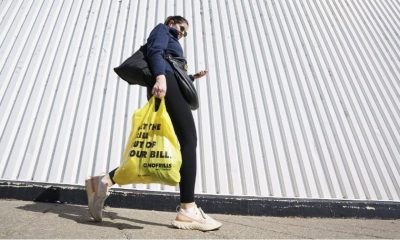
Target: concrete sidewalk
x=22, y=219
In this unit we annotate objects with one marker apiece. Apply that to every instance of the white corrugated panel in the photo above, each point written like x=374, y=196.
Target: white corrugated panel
x=302, y=97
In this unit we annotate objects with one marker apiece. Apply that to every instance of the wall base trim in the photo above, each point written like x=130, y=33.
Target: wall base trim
x=238, y=205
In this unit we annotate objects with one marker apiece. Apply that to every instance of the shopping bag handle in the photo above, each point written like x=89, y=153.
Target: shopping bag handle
x=161, y=108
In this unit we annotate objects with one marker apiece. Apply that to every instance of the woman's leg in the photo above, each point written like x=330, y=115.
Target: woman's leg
x=189, y=216
x=185, y=130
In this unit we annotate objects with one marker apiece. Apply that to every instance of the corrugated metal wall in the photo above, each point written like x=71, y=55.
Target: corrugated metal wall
x=302, y=97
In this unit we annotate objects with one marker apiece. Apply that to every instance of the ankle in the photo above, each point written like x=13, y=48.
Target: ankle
x=187, y=206
x=107, y=180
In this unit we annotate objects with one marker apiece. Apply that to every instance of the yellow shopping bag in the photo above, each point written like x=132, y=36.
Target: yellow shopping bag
x=152, y=154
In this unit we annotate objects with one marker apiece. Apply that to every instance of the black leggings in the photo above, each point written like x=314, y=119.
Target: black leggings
x=185, y=129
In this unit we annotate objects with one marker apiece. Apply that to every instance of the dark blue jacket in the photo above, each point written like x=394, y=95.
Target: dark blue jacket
x=162, y=39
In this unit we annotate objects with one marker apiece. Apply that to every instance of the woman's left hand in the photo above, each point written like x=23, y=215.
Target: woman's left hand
x=200, y=74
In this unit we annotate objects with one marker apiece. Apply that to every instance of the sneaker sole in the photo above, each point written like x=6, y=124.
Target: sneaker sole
x=91, y=184
x=195, y=226
x=89, y=194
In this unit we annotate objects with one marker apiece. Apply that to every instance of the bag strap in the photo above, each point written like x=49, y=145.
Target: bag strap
x=169, y=57
x=161, y=106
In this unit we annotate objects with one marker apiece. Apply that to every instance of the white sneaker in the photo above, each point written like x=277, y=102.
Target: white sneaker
x=97, y=193
x=196, y=220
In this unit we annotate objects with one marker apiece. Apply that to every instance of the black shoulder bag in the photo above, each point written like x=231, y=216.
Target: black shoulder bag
x=135, y=69
x=186, y=85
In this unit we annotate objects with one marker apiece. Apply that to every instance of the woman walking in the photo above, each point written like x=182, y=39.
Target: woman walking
x=164, y=39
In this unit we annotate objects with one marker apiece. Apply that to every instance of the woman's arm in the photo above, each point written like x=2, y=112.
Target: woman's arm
x=157, y=42
x=199, y=74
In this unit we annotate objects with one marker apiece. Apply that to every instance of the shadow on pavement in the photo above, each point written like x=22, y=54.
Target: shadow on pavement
x=81, y=215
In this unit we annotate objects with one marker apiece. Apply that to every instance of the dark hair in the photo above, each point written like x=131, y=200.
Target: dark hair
x=176, y=19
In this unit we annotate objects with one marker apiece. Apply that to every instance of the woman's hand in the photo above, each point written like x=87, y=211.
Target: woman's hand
x=160, y=87
x=200, y=74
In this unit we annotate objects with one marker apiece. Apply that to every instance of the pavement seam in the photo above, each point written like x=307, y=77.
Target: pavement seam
x=249, y=226
x=369, y=228
x=333, y=231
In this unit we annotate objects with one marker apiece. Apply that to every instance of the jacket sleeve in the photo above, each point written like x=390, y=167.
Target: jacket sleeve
x=157, y=43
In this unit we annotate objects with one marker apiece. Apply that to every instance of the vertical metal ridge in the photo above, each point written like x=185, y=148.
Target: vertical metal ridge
x=238, y=147
x=364, y=112
x=286, y=112
x=394, y=114
x=240, y=159
x=3, y=60
x=74, y=114
x=109, y=56
x=360, y=105
x=231, y=110
x=35, y=81
x=342, y=123
x=293, y=162
x=273, y=137
x=261, y=175
x=216, y=169
x=4, y=8
x=186, y=16
x=87, y=111
x=3, y=18
x=247, y=122
x=14, y=93
x=349, y=101
x=30, y=174
x=47, y=163
x=390, y=9
x=346, y=100
x=317, y=181
x=394, y=28
x=200, y=152
x=301, y=161
x=394, y=84
x=200, y=113
x=263, y=144
x=6, y=85
x=337, y=126
x=127, y=122
x=117, y=88
x=392, y=80
x=387, y=90
x=396, y=6
x=5, y=30
x=203, y=129
x=166, y=9
x=385, y=41
x=323, y=160
x=156, y=9
x=275, y=104
x=226, y=141
x=363, y=89
x=380, y=109
x=113, y=125
x=146, y=23
x=209, y=99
